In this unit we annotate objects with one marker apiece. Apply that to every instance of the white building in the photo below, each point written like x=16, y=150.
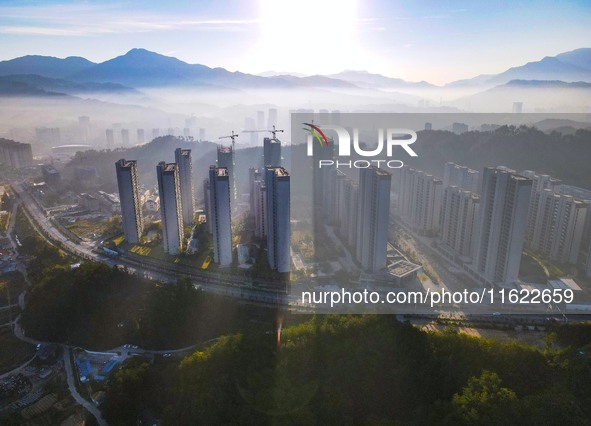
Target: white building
x=459, y=214
x=559, y=225
x=419, y=200
x=461, y=176
x=129, y=196
x=185, y=166
x=220, y=217
x=498, y=243
x=170, y=207
x=373, y=217
x=277, y=182
x=539, y=184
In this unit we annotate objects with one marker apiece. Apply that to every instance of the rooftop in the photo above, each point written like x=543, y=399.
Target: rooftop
x=564, y=284
x=126, y=163
x=279, y=171
x=167, y=167
x=402, y=268
x=380, y=172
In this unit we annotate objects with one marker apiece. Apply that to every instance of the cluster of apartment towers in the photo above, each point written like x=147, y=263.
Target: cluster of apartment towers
x=270, y=205
x=484, y=222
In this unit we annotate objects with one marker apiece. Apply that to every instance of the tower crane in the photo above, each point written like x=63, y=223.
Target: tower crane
x=274, y=131
x=233, y=136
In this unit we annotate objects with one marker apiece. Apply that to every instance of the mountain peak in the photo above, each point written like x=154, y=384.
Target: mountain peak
x=46, y=66
x=139, y=51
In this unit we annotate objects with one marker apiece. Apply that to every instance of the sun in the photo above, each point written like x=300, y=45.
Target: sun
x=315, y=35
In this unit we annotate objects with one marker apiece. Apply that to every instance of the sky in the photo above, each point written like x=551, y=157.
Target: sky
x=435, y=41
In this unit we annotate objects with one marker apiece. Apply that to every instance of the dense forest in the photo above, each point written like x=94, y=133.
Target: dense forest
x=563, y=156
x=369, y=370
x=100, y=308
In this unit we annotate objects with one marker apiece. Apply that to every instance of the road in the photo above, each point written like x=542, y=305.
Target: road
x=71, y=379
x=441, y=265
x=19, y=333
x=260, y=292
x=263, y=293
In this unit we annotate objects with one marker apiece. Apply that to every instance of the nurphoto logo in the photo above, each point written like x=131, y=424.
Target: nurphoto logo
x=392, y=139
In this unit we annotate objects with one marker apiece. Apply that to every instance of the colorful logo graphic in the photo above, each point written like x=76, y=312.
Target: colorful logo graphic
x=317, y=133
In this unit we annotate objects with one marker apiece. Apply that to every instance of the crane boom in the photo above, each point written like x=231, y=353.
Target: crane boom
x=274, y=131
x=233, y=136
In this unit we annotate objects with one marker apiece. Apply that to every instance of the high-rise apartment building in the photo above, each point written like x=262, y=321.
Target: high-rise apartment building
x=560, y=222
x=260, y=208
x=459, y=215
x=110, y=137
x=419, y=200
x=185, y=165
x=221, y=219
x=373, y=216
x=502, y=222
x=129, y=196
x=15, y=154
x=271, y=152
x=461, y=176
x=170, y=206
x=226, y=161
x=277, y=182
x=124, y=137
x=539, y=184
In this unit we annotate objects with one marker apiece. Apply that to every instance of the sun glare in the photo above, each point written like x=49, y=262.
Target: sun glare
x=307, y=35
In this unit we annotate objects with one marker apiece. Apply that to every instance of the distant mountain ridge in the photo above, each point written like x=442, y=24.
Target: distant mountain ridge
x=140, y=67
x=45, y=66
x=573, y=66
x=56, y=85
x=365, y=78
x=143, y=68
x=539, y=93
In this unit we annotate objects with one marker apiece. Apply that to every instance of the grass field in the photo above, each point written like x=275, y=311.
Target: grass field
x=202, y=259
x=4, y=219
x=141, y=250
x=85, y=228
x=22, y=226
x=14, y=352
x=533, y=265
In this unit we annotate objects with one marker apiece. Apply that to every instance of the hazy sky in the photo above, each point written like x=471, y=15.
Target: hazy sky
x=435, y=41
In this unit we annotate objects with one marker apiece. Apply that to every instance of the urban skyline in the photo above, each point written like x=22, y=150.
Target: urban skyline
x=313, y=204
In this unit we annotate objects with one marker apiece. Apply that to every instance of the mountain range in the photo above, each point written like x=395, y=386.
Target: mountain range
x=569, y=67
x=141, y=68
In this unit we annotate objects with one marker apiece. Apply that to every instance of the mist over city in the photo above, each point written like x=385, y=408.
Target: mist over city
x=295, y=212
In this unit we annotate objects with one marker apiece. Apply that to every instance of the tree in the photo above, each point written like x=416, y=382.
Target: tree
x=484, y=402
